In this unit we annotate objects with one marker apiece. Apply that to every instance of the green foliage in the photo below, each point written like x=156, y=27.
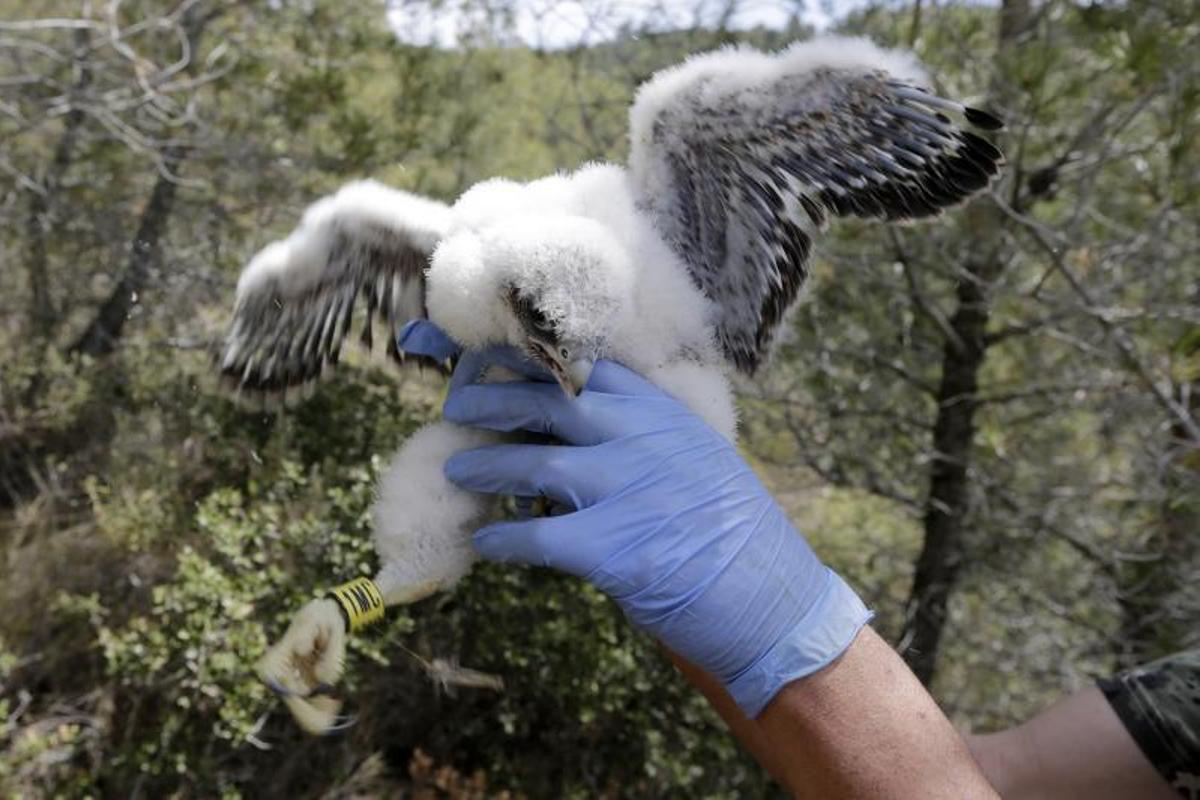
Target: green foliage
x=607, y=711
x=211, y=618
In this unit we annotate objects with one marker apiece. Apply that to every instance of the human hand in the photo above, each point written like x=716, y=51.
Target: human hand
x=667, y=519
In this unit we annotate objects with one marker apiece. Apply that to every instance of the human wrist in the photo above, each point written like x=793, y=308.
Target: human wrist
x=812, y=643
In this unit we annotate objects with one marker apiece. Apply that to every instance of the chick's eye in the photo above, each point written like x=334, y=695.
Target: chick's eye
x=563, y=352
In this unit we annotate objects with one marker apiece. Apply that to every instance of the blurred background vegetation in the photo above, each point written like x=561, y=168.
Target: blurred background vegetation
x=988, y=423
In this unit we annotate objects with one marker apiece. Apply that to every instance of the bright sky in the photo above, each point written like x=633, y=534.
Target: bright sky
x=559, y=23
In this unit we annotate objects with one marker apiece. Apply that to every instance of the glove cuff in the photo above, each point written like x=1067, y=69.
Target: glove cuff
x=814, y=642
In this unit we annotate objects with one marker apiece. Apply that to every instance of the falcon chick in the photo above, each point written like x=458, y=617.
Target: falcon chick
x=681, y=266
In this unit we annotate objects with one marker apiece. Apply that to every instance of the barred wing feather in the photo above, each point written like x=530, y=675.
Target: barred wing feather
x=741, y=157
x=365, y=248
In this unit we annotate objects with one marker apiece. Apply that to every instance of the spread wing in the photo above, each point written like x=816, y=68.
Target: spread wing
x=741, y=157
x=365, y=247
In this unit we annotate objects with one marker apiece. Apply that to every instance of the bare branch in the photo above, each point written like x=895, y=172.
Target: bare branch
x=49, y=24
x=1125, y=345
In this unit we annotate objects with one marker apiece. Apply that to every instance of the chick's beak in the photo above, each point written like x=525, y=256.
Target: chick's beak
x=571, y=376
x=577, y=374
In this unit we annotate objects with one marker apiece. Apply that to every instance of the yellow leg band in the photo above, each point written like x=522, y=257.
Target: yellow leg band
x=361, y=602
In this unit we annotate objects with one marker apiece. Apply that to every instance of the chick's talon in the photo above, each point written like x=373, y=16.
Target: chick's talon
x=318, y=715
x=303, y=667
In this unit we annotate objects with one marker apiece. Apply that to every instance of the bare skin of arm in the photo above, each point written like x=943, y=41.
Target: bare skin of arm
x=1076, y=748
x=861, y=727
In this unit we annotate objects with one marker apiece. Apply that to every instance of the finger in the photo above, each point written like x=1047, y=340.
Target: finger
x=542, y=542
x=612, y=377
x=536, y=407
x=475, y=363
x=420, y=337
x=567, y=475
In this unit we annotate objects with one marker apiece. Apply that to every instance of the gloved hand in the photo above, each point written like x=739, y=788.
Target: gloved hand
x=421, y=337
x=668, y=520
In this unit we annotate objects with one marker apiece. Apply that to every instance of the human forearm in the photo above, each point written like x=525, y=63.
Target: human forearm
x=861, y=727
x=1047, y=757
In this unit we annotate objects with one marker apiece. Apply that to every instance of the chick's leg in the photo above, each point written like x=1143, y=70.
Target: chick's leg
x=423, y=527
x=423, y=522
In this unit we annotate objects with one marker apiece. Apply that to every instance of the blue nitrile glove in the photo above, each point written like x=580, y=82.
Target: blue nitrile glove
x=422, y=338
x=669, y=521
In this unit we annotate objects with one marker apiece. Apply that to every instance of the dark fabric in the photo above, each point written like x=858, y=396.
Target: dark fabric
x=1159, y=704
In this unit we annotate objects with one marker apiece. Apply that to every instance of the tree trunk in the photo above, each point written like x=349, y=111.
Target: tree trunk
x=948, y=500
x=23, y=452
x=949, y=487
x=101, y=336
x=41, y=217
x=103, y=332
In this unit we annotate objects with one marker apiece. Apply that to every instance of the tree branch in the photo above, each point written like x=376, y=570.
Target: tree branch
x=1116, y=334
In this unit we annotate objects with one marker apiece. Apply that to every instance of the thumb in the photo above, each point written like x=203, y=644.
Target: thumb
x=420, y=337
